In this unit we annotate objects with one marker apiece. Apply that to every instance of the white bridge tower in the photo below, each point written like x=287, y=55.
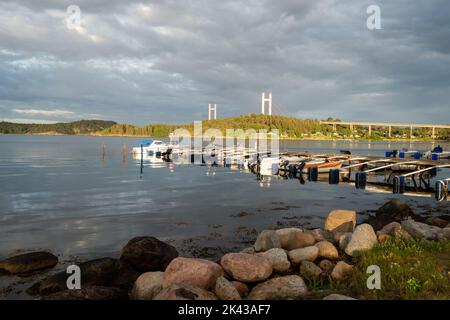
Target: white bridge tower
x=212, y=108
x=267, y=99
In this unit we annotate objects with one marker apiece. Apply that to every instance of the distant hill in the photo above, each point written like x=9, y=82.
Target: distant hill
x=70, y=128
x=287, y=126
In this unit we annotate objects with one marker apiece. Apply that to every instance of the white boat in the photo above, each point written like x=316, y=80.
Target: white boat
x=150, y=147
x=269, y=165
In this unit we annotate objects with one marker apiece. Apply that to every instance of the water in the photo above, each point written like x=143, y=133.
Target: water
x=57, y=194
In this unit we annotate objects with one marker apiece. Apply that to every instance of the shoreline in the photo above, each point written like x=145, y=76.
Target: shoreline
x=321, y=260
x=281, y=139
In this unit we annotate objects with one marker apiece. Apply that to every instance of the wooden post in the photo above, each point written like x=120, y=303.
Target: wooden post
x=370, y=130
x=410, y=132
x=390, y=131
x=142, y=158
x=433, y=132
x=124, y=153
x=103, y=151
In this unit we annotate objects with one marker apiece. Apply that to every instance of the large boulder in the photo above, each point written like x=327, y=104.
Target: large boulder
x=321, y=235
x=362, y=239
x=293, y=238
x=278, y=258
x=393, y=229
x=341, y=271
x=195, y=272
x=246, y=267
x=103, y=272
x=184, y=292
x=440, y=221
x=242, y=288
x=419, y=230
x=281, y=288
x=390, y=228
x=266, y=240
x=225, y=290
x=340, y=221
x=148, y=254
x=443, y=234
x=89, y=293
x=327, y=250
x=309, y=270
x=147, y=286
x=394, y=210
x=29, y=262
x=304, y=254
x=344, y=239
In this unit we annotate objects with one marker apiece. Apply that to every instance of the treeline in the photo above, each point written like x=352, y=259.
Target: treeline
x=70, y=128
x=287, y=126
x=153, y=130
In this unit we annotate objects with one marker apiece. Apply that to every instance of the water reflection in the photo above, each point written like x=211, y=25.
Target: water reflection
x=67, y=200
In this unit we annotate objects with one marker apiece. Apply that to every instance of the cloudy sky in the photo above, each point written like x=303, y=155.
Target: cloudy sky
x=163, y=61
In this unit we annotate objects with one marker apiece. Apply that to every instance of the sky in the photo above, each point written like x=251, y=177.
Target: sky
x=163, y=61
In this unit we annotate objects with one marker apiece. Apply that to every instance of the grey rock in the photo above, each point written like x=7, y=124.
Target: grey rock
x=281, y=288
x=362, y=239
x=184, y=292
x=148, y=254
x=278, y=258
x=147, y=286
x=309, y=270
x=294, y=238
x=266, y=240
x=304, y=254
x=419, y=230
x=29, y=262
x=225, y=290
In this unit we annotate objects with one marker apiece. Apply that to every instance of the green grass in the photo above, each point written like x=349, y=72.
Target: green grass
x=410, y=269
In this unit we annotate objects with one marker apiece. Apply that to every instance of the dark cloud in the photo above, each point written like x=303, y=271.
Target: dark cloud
x=163, y=61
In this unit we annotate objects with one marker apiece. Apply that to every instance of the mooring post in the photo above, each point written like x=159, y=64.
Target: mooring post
x=124, y=153
x=142, y=158
x=103, y=151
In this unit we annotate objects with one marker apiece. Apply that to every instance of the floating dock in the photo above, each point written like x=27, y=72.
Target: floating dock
x=412, y=172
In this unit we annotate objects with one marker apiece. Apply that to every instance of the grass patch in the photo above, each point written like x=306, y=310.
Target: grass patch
x=410, y=269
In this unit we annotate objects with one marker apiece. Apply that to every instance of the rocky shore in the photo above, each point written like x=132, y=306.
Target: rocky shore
x=281, y=264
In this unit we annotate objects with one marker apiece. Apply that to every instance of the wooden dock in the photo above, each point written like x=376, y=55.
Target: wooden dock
x=410, y=174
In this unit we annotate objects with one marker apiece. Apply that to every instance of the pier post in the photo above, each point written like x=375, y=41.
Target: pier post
x=124, y=153
x=370, y=130
x=103, y=151
x=433, y=132
x=410, y=132
x=390, y=131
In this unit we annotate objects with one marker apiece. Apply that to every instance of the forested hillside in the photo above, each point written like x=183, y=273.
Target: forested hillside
x=77, y=127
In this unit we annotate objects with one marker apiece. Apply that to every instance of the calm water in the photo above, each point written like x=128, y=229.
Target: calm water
x=56, y=193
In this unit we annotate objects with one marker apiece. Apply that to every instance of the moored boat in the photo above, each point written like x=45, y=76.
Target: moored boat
x=150, y=147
